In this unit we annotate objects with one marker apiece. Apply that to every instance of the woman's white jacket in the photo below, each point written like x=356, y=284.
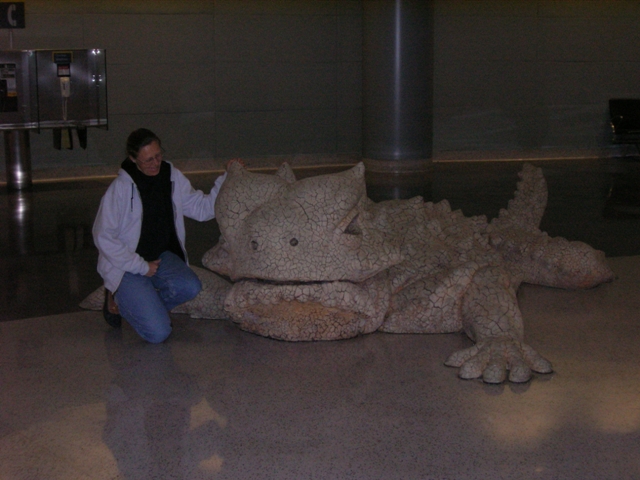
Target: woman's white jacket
x=116, y=230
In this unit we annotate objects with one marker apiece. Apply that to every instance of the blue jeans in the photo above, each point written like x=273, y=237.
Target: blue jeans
x=145, y=302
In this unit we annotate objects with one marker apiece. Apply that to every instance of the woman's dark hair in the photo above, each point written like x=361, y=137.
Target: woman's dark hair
x=138, y=139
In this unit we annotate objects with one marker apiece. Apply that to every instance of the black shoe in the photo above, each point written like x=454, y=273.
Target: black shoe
x=113, y=319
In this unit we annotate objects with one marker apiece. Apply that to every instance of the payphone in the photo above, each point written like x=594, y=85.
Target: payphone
x=61, y=90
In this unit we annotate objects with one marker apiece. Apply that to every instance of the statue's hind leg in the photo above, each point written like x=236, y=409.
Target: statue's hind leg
x=492, y=319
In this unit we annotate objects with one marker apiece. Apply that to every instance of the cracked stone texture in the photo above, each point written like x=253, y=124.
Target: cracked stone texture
x=315, y=259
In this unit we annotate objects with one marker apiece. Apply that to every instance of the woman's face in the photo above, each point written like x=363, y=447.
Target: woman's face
x=149, y=159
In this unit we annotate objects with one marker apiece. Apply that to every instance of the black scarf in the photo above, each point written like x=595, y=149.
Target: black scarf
x=158, y=232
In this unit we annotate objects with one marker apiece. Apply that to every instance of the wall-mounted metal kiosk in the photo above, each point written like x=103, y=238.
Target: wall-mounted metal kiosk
x=48, y=89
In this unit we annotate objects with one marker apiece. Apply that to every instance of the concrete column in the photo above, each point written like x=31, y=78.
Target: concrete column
x=17, y=152
x=397, y=96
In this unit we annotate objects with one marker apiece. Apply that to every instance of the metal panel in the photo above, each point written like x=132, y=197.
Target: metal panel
x=39, y=79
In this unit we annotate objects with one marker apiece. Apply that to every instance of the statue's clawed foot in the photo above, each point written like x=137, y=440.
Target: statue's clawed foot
x=492, y=358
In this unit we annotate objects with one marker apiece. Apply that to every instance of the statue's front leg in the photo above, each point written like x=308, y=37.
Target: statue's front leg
x=492, y=319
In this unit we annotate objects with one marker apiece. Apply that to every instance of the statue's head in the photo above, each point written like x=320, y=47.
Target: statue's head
x=315, y=229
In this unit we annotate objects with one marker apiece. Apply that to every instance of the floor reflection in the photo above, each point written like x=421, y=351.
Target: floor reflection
x=20, y=222
x=623, y=200
x=149, y=426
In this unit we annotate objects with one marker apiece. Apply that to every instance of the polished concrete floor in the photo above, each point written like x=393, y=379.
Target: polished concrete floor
x=79, y=400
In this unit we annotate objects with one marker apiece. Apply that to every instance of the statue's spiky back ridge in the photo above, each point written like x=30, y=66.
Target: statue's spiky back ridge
x=527, y=207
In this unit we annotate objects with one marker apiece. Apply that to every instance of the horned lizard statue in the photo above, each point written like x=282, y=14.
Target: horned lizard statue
x=316, y=259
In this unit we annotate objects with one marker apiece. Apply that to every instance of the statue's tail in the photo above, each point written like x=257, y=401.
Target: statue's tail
x=526, y=208
x=539, y=258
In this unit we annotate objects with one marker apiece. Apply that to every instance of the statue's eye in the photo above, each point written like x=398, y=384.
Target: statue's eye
x=353, y=228
x=254, y=244
x=293, y=242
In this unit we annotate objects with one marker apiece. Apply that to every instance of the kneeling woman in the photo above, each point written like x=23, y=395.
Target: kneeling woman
x=140, y=235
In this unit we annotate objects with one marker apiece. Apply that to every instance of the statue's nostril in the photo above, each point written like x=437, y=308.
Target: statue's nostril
x=293, y=242
x=254, y=245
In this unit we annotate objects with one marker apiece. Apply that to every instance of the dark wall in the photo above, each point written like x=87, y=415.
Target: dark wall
x=532, y=78
x=225, y=78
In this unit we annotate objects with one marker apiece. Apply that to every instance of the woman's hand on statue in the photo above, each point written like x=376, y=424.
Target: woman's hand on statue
x=153, y=268
x=234, y=160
